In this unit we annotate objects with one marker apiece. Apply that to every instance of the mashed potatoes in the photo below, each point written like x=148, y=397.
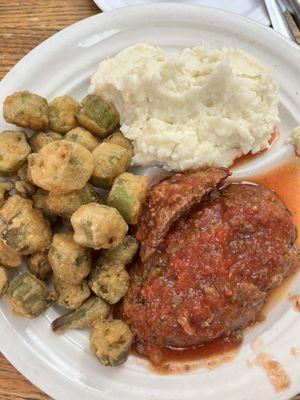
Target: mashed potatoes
x=201, y=107
x=295, y=139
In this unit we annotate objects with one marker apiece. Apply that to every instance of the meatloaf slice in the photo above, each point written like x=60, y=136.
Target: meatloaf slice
x=171, y=198
x=213, y=270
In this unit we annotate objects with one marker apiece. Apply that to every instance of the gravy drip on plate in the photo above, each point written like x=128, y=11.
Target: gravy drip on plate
x=277, y=376
x=209, y=355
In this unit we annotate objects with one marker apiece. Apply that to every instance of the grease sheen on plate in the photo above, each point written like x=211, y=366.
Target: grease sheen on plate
x=201, y=380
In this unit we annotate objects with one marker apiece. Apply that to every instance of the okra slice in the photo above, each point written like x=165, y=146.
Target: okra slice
x=127, y=195
x=110, y=161
x=92, y=310
x=4, y=278
x=71, y=296
x=97, y=115
x=110, y=341
x=29, y=296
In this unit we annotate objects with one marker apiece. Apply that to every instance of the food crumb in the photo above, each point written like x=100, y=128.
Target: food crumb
x=295, y=298
x=249, y=363
x=294, y=351
x=277, y=376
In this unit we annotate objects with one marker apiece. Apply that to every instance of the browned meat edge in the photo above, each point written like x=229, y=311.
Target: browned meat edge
x=171, y=198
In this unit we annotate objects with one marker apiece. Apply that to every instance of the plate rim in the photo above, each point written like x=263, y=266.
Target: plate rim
x=101, y=4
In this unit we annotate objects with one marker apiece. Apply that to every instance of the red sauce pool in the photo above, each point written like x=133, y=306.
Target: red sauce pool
x=208, y=356
x=212, y=348
x=285, y=181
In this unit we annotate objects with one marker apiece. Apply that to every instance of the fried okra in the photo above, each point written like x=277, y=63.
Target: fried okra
x=27, y=110
x=98, y=226
x=83, y=137
x=71, y=296
x=4, y=187
x=62, y=112
x=109, y=279
x=41, y=139
x=121, y=254
x=70, y=262
x=39, y=266
x=40, y=201
x=110, y=341
x=65, y=205
x=97, y=115
x=23, y=174
x=61, y=167
x=24, y=186
x=110, y=161
x=29, y=296
x=24, y=189
x=91, y=311
x=119, y=139
x=24, y=228
x=110, y=282
x=9, y=257
x=4, y=278
x=14, y=150
x=127, y=195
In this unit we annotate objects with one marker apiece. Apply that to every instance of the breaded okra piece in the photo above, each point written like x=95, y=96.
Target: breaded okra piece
x=123, y=253
x=110, y=282
x=98, y=226
x=41, y=139
x=110, y=161
x=25, y=190
x=127, y=195
x=91, y=311
x=9, y=257
x=4, y=279
x=4, y=187
x=111, y=341
x=24, y=227
x=29, y=296
x=83, y=137
x=39, y=266
x=62, y=114
x=71, y=296
x=119, y=139
x=39, y=199
x=14, y=150
x=61, y=167
x=109, y=279
x=70, y=261
x=64, y=205
x=27, y=110
x=24, y=186
x=23, y=174
x=97, y=115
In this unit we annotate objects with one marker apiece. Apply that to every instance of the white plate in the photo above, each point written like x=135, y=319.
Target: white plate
x=62, y=365
x=254, y=9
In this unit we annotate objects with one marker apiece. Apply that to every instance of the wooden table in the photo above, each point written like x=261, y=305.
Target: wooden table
x=23, y=25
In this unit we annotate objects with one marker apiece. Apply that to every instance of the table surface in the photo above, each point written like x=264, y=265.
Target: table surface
x=23, y=25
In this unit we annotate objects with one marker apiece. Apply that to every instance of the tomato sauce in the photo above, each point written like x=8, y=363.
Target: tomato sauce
x=209, y=355
x=207, y=351
x=285, y=181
